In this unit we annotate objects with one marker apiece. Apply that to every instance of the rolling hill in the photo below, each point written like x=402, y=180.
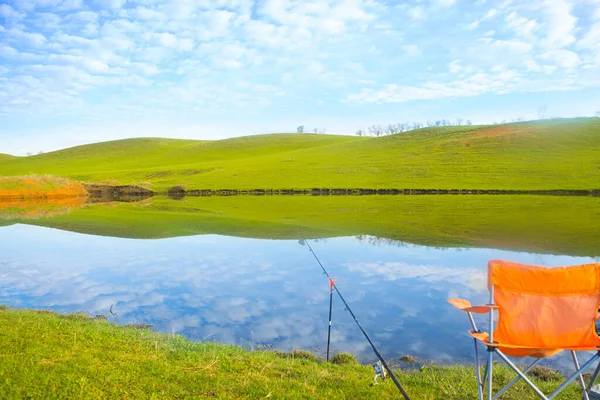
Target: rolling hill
x=549, y=154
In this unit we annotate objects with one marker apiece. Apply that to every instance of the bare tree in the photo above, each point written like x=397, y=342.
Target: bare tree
x=376, y=130
x=417, y=125
x=468, y=122
x=431, y=123
x=360, y=132
x=300, y=129
x=541, y=111
x=459, y=121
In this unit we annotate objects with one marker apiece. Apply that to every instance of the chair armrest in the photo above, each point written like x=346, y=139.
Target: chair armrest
x=465, y=305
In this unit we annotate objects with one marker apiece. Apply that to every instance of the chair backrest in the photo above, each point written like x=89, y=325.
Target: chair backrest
x=543, y=307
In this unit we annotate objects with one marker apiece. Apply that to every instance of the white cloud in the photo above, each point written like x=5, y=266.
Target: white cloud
x=8, y=12
x=560, y=24
x=490, y=14
x=562, y=58
x=522, y=26
x=444, y=3
x=411, y=50
x=314, y=50
x=455, y=66
x=416, y=13
x=476, y=84
x=533, y=66
x=473, y=25
x=111, y=4
x=27, y=38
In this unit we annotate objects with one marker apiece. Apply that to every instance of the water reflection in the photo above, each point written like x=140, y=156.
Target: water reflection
x=38, y=208
x=251, y=292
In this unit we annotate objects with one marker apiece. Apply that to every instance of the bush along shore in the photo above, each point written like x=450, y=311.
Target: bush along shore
x=49, y=355
x=180, y=191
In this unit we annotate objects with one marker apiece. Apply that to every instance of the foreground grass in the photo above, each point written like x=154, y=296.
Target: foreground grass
x=540, y=224
x=46, y=355
x=550, y=154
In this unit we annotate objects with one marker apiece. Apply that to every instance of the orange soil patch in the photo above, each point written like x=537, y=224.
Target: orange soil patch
x=500, y=132
x=29, y=188
x=504, y=131
x=32, y=208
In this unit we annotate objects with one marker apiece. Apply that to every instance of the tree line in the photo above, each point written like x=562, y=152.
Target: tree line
x=391, y=129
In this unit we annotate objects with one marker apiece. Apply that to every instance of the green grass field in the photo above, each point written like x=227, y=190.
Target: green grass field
x=540, y=224
x=549, y=154
x=46, y=355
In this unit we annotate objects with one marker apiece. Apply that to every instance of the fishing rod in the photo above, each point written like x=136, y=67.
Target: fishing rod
x=377, y=353
x=331, y=283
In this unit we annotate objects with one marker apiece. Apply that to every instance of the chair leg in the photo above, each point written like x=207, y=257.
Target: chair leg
x=478, y=372
x=574, y=376
x=509, y=385
x=522, y=375
x=489, y=371
x=580, y=378
x=594, y=376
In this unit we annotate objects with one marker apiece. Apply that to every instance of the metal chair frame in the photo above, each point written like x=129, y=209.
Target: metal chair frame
x=484, y=385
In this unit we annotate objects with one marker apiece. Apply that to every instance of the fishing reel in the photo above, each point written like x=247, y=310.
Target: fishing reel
x=380, y=372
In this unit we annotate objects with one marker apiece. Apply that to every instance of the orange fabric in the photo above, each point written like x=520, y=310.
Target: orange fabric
x=546, y=308
x=465, y=305
x=559, y=281
x=516, y=351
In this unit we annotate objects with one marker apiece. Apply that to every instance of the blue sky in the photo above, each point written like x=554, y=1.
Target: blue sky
x=79, y=71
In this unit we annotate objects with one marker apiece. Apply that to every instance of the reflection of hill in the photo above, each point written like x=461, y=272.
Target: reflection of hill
x=38, y=208
x=544, y=224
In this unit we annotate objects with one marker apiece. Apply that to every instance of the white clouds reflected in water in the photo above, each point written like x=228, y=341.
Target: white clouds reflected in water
x=249, y=291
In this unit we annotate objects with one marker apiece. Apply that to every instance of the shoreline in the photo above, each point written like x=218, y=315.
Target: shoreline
x=95, y=191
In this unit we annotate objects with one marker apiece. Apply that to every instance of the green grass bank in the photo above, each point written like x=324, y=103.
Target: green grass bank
x=539, y=155
x=51, y=356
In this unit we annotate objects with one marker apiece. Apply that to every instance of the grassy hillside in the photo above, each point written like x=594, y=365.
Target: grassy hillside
x=5, y=156
x=35, y=186
x=47, y=355
x=541, y=224
x=550, y=154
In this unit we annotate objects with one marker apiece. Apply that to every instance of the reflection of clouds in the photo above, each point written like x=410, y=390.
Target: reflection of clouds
x=249, y=291
x=393, y=271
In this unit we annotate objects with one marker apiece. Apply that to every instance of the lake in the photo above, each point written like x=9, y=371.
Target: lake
x=234, y=270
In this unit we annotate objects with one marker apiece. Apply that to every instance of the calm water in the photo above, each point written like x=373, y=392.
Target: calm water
x=258, y=292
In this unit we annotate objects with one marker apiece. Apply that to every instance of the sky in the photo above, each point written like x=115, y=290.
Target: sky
x=81, y=71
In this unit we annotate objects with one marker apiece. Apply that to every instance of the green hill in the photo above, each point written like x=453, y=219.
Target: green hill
x=550, y=154
x=5, y=157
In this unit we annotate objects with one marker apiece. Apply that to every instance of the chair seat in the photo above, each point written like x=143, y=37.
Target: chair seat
x=517, y=350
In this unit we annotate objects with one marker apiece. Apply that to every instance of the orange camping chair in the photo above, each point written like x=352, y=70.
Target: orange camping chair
x=541, y=311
